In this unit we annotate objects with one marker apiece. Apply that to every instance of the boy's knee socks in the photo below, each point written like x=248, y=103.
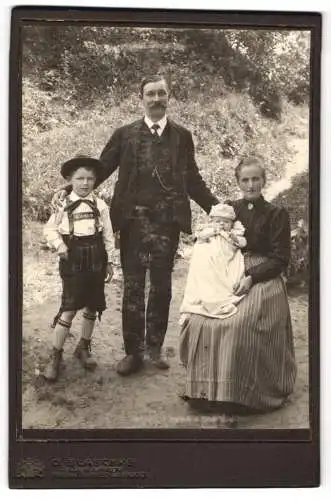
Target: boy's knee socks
x=61, y=331
x=88, y=325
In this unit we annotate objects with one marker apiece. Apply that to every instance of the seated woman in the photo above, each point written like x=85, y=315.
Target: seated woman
x=246, y=361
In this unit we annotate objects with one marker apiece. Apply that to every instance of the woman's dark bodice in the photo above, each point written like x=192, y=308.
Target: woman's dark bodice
x=267, y=234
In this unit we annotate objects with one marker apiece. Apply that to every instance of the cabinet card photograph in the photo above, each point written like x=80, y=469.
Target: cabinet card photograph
x=167, y=177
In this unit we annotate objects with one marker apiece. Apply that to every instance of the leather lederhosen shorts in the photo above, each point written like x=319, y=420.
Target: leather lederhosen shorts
x=83, y=274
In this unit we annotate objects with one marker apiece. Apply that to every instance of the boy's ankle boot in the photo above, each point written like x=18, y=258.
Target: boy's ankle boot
x=52, y=369
x=83, y=353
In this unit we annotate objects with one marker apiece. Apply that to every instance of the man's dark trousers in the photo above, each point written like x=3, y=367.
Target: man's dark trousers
x=148, y=241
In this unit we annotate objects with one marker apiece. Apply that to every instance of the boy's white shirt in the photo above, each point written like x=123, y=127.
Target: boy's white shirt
x=58, y=224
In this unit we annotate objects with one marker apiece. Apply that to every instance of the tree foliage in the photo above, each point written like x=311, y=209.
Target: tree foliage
x=85, y=62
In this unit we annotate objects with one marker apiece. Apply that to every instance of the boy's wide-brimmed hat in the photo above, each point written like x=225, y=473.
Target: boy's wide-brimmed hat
x=72, y=165
x=223, y=210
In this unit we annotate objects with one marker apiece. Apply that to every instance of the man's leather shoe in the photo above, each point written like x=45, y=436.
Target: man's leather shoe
x=130, y=364
x=155, y=357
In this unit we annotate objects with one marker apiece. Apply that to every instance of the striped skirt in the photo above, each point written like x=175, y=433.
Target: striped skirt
x=247, y=359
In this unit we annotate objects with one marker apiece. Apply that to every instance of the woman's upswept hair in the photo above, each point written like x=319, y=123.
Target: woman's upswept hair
x=152, y=79
x=250, y=160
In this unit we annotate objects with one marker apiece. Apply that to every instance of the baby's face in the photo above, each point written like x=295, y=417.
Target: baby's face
x=222, y=223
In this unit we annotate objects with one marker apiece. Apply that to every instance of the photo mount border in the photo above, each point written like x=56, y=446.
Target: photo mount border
x=249, y=446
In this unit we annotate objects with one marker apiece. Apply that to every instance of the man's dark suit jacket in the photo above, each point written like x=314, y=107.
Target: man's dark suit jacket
x=121, y=151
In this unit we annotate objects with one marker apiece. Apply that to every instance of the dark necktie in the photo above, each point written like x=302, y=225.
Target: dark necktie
x=154, y=129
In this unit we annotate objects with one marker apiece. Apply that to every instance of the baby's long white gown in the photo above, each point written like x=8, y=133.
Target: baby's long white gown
x=216, y=267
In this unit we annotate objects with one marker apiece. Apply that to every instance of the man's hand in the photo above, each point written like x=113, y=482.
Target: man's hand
x=244, y=286
x=63, y=251
x=58, y=199
x=110, y=272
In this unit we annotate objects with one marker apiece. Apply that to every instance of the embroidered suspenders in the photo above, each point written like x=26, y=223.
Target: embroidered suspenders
x=71, y=206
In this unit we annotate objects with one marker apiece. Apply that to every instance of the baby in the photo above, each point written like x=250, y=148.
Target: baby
x=223, y=224
x=217, y=266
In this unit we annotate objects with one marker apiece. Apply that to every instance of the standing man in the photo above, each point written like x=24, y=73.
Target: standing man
x=157, y=177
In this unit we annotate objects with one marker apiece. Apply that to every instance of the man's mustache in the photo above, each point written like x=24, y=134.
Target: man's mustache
x=158, y=105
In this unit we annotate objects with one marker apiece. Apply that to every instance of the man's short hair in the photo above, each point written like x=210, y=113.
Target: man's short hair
x=152, y=79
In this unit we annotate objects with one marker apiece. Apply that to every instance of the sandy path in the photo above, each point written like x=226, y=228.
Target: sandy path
x=149, y=399
x=297, y=164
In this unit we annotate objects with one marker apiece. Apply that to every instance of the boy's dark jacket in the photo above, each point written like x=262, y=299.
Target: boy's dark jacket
x=121, y=151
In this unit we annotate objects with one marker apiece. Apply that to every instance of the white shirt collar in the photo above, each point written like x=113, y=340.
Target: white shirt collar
x=73, y=197
x=162, y=123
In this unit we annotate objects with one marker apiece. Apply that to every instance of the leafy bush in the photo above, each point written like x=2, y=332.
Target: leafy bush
x=87, y=62
x=296, y=201
x=54, y=132
x=298, y=270
x=44, y=153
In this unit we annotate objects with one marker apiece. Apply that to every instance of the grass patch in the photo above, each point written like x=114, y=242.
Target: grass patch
x=54, y=131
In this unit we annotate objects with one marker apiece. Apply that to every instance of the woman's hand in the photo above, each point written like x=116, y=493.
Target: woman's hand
x=58, y=199
x=63, y=251
x=244, y=286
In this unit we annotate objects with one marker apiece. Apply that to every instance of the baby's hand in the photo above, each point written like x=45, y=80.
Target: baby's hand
x=203, y=239
x=238, y=228
x=63, y=251
x=234, y=237
x=239, y=241
x=205, y=234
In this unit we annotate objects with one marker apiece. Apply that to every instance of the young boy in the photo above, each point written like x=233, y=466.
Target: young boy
x=81, y=233
x=216, y=267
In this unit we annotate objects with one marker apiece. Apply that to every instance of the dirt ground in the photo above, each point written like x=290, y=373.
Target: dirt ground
x=102, y=399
